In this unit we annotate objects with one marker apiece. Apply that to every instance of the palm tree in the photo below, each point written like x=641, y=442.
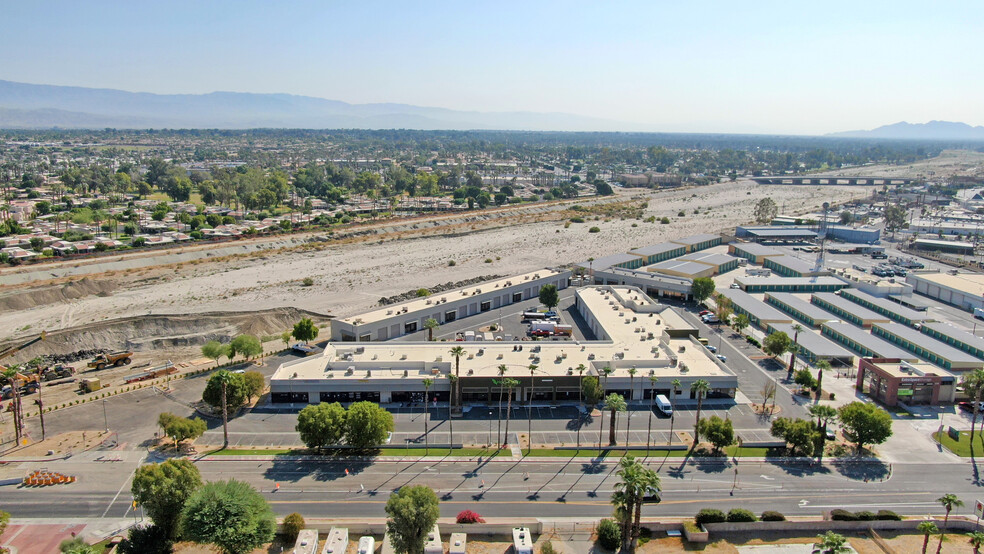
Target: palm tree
x=796, y=335
x=699, y=388
x=927, y=528
x=498, y=431
x=224, y=378
x=652, y=399
x=831, y=543
x=510, y=384
x=10, y=377
x=676, y=390
x=637, y=483
x=628, y=413
x=428, y=383
x=616, y=403
x=457, y=352
x=580, y=378
x=430, y=324
x=822, y=365
x=740, y=322
x=949, y=502
x=972, y=385
x=605, y=372
x=529, y=410
x=976, y=540
x=824, y=414
x=454, y=383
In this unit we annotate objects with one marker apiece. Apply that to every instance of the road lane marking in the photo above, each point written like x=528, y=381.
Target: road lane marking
x=127, y=480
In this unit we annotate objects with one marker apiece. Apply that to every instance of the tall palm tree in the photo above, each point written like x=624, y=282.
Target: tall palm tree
x=454, y=383
x=580, y=383
x=628, y=413
x=949, y=502
x=699, y=388
x=927, y=528
x=792, y=358
x=224, y=378
x=529, y=410
x=676, y=390
x=637, y=482
x=498, y=429
x=822, y=365
x=652, y=399
x=510, y=384
x=615, y=403
x=10, y=377
x=428, y=383
x=605, y=372
x=457, y=352
x=972, y=385
x=824, y=414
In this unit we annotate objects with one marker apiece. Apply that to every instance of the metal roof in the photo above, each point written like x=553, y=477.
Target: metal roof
x=881, y=347
x=887, y=305
x=941, y=349
x=754, y=306
x=656, y=249
x=819, y=345
x=809, y=310
x=852, y=308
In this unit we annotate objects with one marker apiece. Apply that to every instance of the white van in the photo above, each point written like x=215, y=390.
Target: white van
x=664, y=405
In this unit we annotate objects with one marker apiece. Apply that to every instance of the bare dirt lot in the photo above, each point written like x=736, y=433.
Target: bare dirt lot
x=351, y=275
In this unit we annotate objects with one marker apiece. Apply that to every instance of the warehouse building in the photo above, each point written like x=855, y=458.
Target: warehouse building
x=681, y=268
x=656, y=285
x=825, y=283
x=808, y=313
x=696, y=243
x=863, y=342
x=886, y=307
x=814, y=347
x=638, y=339
x=847, y=310
x=892, y=381
x=656, y=253
x=753, y=252
x=626, y=261
x=408, y=317
x=964, y=290
x=791, y=266
x=927, y=348
x=955, y=337
x=781, y=234
x=722, y=263
x=950, y=246
x=759, y=313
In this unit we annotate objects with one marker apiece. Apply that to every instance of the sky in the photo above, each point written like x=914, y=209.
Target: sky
x=696, y=66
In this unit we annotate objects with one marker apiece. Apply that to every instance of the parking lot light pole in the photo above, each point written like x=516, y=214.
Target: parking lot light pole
x=105, y=417
x=490, y=428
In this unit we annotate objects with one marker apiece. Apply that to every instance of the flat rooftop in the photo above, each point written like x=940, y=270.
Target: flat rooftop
x=636, y=340
x=956, y=333
x=802, y=306
x=819, y=345
x=419, y=304
x=656, y=249
x=851, y=307
x=613, y=259
x=795, y=264
x=656, y=278
x=916, y=338
x=680, y=266
x=887, y=305
x=968, y=283
x=791, y=281
x=708, y=258
x=754, y=306
x=756, y=249
x=779, y=232
x=881, y=347
x=696, y=239
x=903, y=369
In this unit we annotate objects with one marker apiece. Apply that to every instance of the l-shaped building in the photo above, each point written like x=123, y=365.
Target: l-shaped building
x=635, y=337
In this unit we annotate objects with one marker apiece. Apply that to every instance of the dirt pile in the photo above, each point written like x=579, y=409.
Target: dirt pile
x=151, y=332
x=450, y=285
x=55, y=294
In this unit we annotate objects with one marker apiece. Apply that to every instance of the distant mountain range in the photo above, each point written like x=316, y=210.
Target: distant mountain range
x=934, y=130
x=25, y=105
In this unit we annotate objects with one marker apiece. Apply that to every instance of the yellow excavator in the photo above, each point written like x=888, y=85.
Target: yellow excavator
x=19, y=379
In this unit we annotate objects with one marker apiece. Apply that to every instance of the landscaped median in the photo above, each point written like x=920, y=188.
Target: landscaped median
x=484, y=452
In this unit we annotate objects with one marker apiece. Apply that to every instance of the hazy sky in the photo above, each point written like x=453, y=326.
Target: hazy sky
x=753, y=66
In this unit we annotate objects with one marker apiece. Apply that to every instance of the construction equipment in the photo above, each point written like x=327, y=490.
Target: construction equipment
x=10, y=351
x=115, y=359
x=60, y=371
x=90, y=385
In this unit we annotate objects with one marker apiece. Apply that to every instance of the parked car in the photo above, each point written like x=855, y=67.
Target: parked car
x=702, y=313
x=712, y=349
x=969, y=406
x=722, y=357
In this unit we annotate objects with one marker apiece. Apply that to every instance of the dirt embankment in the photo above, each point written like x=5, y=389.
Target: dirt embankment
x=54, y=294
x=148, y=333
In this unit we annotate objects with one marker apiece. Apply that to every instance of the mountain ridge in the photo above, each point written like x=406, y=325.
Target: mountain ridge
x=24, y=105
x=935, y=129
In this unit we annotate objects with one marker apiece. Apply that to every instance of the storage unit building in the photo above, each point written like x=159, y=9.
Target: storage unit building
x=964, y=290
x=847, y=310
x=696, y=243
x=808, y=313
x=863, y=342
x=722, y=263
x=679, y=268
x=955, y=337
x=759, y=313
x=656, y=253
x=926, y=347
x=825, y=283
x=791, y=266
x=753, y=251
x=886, y=307
x=814, y=347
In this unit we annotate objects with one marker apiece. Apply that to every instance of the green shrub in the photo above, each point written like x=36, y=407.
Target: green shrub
x=842, y=515
x=753, y=341
x=594, y=230
x=888, y=515
x=681, y=213
x=609, y=534
x=740, y=515
x=770, y=515
x=421, y=293
x=451, y=263
x=293, y=524
x=864, y=515
x=709, y=515
x=664, y=220
x=307, y=282
x=488, y=260
x=547, y=548
x=577, y=220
